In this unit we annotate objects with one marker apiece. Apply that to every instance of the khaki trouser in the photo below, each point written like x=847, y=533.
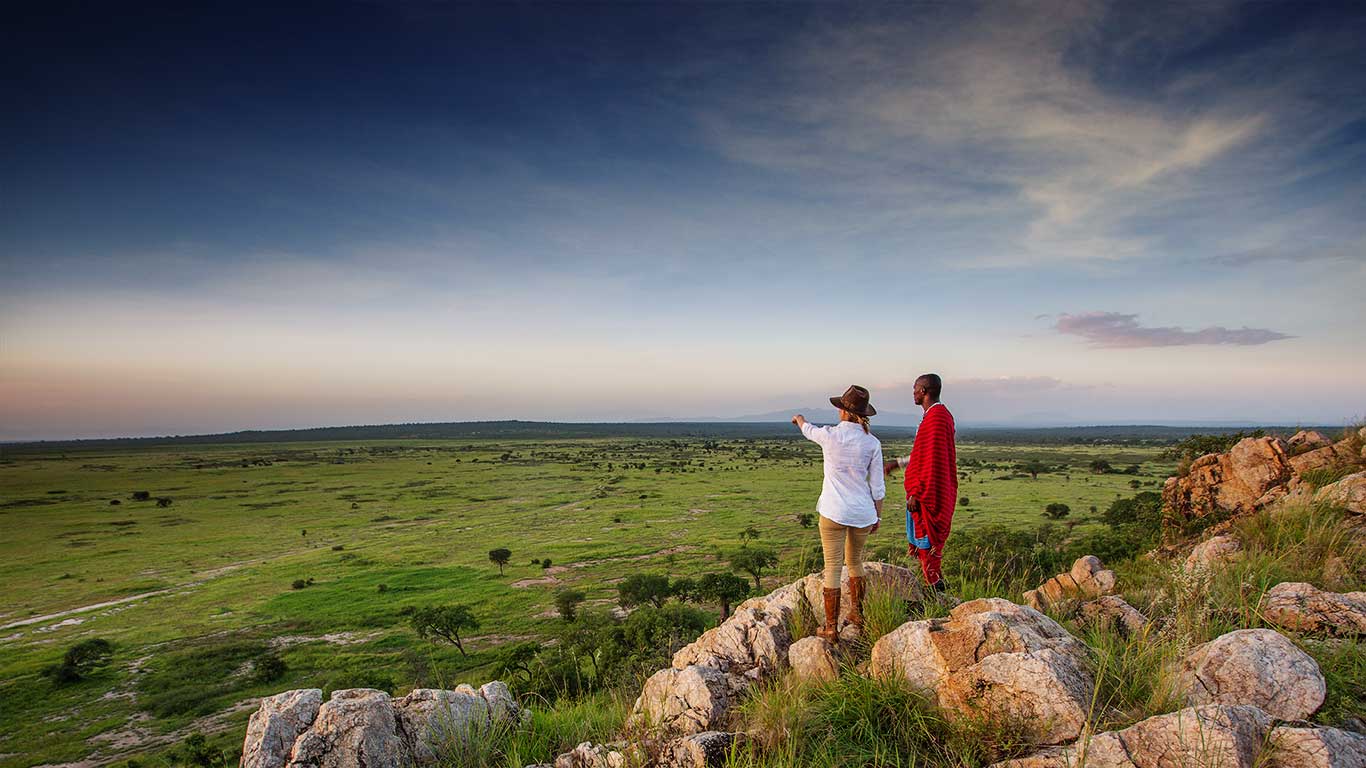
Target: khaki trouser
x=841, y=543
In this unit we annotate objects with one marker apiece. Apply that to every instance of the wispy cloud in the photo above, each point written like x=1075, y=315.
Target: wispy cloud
x=1118, y=330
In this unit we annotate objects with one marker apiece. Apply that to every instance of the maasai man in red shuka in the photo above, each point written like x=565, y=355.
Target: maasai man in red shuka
x=931, y=480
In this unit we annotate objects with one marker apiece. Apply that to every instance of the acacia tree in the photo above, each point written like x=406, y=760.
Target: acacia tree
x=567, y=602
x=1057, y=511
x=685, y=589
x=641, y=588
x=444, y=622
x=1033, y=467
x=753, y=561
x=723, y=588
x=501, y=557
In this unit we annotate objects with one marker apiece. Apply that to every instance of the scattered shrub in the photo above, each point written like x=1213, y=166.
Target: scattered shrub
x=269, y=668
x=299, y=584
x=1057, y=511
x=80, y=660
x=164, y=501
x=142, y=496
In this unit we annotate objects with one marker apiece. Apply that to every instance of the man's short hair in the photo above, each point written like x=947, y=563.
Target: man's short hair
x=933, y=384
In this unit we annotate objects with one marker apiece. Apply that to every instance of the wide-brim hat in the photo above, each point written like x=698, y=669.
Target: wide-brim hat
x=855, y=401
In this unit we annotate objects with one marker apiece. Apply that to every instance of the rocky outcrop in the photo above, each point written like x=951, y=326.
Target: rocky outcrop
x=1244, y=479
x=1112, y=612
x=1307, y=440
x=1087, y=578
x=1349, y=493
x=812, y=658
x=1297, y=747
x=697, y=692
x=1212, y=552
x=1259, y=667
x=1327, y=457
x=1212, y=735
x=997, y=659
x=276, y=725
x=356, y=728
x=1305, y=608
x=366, y=728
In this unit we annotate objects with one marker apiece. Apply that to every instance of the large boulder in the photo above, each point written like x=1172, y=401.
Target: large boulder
x=1305, y=608
x=431, y=718
x=1249, y=476
x=356, y=728
x=1349, y=493
x=1212, y=735
x=812, y=658
x=1298, y=747
x=276, y=725
x=1213, y=551
x=686, y=701
x=1114, y=613
x=366, y=728
x=994, y=658
x=1087, y=578
x=1259, y=667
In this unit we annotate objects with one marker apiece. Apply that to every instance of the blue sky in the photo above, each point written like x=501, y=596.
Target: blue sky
x=1074, y=212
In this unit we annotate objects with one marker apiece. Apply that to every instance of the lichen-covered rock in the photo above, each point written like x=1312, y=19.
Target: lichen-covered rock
x=1087, y=578
x=356, y=728
x=1213, y=551
x=1229, y=482
x=702, y=750
x=812, y=658
x=1114, y=612
x=686, y=701
x=276, y=725
x=1212, y=735
x=993, y=658
x=1259, y=667
x=1292, y=747
x=1306, y=608
x=1349, y=493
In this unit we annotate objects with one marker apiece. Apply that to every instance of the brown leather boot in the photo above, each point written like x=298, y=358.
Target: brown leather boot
x=830, y=632
x=857, y=585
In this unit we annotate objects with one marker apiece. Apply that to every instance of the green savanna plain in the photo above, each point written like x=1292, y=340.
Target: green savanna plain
x=195, y=590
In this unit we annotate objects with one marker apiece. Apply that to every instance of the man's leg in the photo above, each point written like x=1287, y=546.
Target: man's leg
x=931, y=561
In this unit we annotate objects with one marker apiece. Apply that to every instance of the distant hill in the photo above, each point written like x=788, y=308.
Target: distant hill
x=755, y=429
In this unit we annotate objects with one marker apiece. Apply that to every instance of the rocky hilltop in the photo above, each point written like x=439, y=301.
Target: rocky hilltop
x=1243, y=698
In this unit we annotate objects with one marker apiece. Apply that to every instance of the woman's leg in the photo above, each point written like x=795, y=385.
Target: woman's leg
x=853, y=549
x=832, y=550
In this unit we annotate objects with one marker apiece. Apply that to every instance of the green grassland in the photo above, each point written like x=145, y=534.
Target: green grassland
x=375, y=527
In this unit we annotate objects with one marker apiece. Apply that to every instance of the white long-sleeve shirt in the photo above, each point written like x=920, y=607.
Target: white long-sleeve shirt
x=853, y=473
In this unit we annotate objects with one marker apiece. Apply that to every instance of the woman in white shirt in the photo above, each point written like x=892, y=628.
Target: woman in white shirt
x=851, y=501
